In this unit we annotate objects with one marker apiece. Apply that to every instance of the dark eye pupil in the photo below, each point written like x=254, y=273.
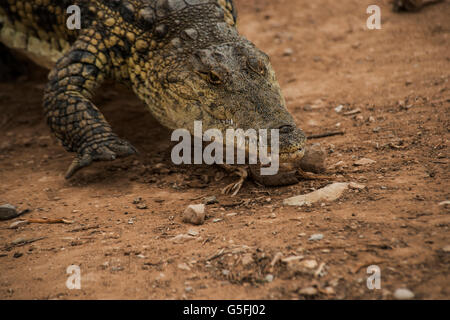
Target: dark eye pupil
x=214, y=77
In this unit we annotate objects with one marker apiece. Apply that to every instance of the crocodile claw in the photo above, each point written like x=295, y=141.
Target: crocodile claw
x=234, y=188
x=106, y=151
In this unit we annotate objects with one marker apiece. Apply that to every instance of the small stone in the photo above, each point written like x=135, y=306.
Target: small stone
x=288, y=52
x=194, y=214
x=330, y=291
x=188, y=289
x=142, y=206
x=328, y=193
x=269, y=278
x=363, y=162
x=18, y=224
x=292, y=259
x=247, y=259
x=7, y=212
x=182, y=238
x=217, y=220
x=184, y=266
x=192, y=233
x=403, y=294
x=118, y=268
x=358, y=186
x=339, y=108
x=210, y=200
x=316, y=237
x=309, y=291
x=446, y=248
x=225, y=272
x=141, y=256
x=309, y=264
x=17, y=254
x=232, y=214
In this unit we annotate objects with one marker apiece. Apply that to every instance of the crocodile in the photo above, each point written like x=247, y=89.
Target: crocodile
x=185, y=59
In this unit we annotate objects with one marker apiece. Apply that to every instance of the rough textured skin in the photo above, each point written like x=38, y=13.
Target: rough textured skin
x=183, y=58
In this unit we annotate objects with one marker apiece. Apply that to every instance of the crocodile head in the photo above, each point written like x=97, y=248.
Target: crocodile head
x=225, y=81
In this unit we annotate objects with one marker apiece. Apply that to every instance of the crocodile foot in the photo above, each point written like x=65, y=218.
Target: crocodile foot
x=100, y=151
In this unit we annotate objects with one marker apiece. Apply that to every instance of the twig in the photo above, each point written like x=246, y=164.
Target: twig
x=326, y=134
x=49, y=221
x=22, y=243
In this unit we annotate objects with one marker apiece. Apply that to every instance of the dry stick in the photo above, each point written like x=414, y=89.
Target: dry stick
x=326, y=134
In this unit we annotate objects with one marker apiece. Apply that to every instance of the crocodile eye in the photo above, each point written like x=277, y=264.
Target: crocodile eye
x=214, y=78
x=256, y=65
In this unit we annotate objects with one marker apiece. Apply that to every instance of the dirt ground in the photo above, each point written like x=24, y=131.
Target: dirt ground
x=127, y=213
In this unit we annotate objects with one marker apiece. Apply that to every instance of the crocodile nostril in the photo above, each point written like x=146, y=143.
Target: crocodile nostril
x=286, y=129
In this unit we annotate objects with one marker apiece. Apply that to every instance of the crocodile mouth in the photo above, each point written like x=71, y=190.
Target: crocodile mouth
x=292, y=156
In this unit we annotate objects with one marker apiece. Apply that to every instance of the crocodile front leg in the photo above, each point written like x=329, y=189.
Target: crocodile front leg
x=71, y=115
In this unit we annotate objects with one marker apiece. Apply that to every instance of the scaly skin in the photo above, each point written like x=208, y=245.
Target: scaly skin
x=183, y=58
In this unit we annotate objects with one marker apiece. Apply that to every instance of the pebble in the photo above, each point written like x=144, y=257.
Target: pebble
x=446, y=248
x=182, y=238
x=17, y=224
x=269, y=278
x=232, y=214
x=247, y=259
x=328, y=193
x=403, y=294
x=354, y=185
x=363, y=162
x=330, y=291
x=339, y=108
x=188, y=289
x=288, y=52
x=310, y=264
x=292, y=259
x=192, y=233
x=142, y=206
x=309, y=291
x=184, y=266
x=194, y=214
x=117, y=268
x=210, y=200
x=316, y=237
x=17, y=254
x=7, y=212
x=217, y=220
